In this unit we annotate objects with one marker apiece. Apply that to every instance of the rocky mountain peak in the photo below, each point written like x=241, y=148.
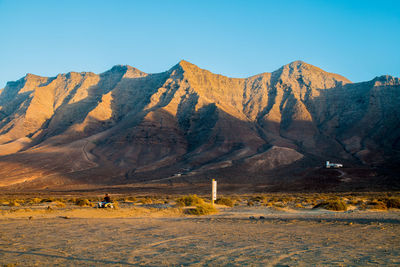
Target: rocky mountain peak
x=302, y=73
x=184, y=66
x=30, y=76
x=386, y=80
x=124, y=71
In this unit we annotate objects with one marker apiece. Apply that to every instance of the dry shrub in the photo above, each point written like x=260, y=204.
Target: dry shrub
x=13, y=203
x=354, y=201
x=309, y=201
x=35, y=200
x=83, y=202
x=274, y=199
x=299, y=206
x=392, y=203
x=59, y=204
x=359, y=202
x=280, y=204
x=375, y=205
x=189, y=200
x=236, y=198
x=271, y=202
x=202, y=209
x=287, y=199
x=225, y=201
x=258, y=199
x=334, y=204
x=250, y=203
x=61, y=200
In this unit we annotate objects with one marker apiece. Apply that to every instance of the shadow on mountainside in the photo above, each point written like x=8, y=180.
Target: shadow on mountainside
x=70, y=114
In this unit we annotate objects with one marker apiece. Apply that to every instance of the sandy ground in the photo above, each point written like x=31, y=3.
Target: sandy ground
x=89, y=237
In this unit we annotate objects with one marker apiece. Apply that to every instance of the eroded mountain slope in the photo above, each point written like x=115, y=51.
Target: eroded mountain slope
x=124, y=125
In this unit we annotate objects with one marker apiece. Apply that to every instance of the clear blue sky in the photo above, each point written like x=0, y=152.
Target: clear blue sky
x=358, y=39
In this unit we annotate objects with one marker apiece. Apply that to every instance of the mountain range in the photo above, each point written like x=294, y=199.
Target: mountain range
x=273, y=131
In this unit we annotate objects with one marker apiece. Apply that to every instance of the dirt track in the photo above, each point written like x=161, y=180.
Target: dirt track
x=229, y=238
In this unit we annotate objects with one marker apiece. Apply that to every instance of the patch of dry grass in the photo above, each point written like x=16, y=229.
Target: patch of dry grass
x=83, y=202
x=59, y=204
x=250, y=203
x=203, y=209
x=374, y=205
x=13, y=203
x=189, y=200
x=225, y=201
x=392, y=202
x=35, y=200
x=335, y=205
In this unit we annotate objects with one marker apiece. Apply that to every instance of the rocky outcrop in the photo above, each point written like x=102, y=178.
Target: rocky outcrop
x=125, y=125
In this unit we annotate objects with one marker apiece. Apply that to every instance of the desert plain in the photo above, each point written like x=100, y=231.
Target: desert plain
x=274, y=230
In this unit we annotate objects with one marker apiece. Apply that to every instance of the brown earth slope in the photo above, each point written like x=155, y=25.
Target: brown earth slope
x=187, y=124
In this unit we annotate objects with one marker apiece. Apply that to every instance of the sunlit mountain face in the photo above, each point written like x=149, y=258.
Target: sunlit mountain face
x=187, y=124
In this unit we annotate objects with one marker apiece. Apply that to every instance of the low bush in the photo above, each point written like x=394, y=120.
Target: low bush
x=83, y=202
x=359, y=202
x=258, y=198
x=353, y=201
x=287, y=199
x=189, y=200
x=59, y=204
x=308, y=201
x=250, y=203
x=61, y=200
x=35, y=200
x=299, y=206
x=335, y=204
x=13, y=203
x=279, y=204
x=392, y=203
x=203, y=209
x=225, y=201
x=375, y=205
x=236, y=198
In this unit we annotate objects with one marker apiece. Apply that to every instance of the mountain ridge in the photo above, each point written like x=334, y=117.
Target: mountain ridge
x=141, y=126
